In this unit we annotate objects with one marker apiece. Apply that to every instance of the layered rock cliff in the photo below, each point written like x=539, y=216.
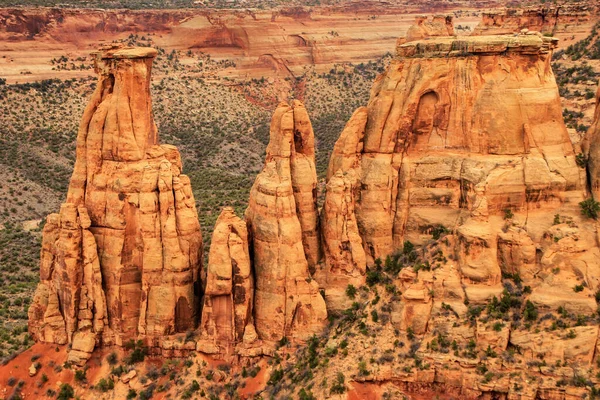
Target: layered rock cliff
x=461, y=182
x=545, y=19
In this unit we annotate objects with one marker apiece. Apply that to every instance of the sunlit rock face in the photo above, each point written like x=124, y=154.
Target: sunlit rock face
x=459, y=133
x=123, y=258
x=283, y=219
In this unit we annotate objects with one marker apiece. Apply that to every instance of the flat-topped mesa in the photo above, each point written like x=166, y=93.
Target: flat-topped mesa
x=458, y=130
x=282, y=218
x=125, y=251
x=463, y=46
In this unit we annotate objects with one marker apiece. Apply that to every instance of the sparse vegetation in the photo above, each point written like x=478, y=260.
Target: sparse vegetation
x=590, y=208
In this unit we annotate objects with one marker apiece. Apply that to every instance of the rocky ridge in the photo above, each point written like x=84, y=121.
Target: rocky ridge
x=546, y=19
x=461, y=151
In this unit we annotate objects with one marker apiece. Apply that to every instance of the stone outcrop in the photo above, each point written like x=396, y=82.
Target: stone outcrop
x=462, y=150
x=439, y=25
x=229, y=290
x=451, y=141
x=282, y=218
x=456, y=190
x=448, y=139
x=345, y=260
x=123, y=258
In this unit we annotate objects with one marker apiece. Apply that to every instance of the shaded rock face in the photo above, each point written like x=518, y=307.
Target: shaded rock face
x=229, y=290
x=123, y=258
x=345, y=259
x=591, y=148
x=283, y=220
x=439, y=25
x=462, y=137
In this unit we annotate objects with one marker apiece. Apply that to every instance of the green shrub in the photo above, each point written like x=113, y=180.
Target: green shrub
x=276, y=376
x=438, y=231
x=362, y=369
x=581, y=160
x=80, y=375
x=105, y=385
x=374, y=316
x=374, y=276
x=138, y=353
x=350, y=291
x=590, y=208
x=112, y=358
x=66, y=392
x=339, y=386
x=530, y=313
x=306, y=395
x=556, y=219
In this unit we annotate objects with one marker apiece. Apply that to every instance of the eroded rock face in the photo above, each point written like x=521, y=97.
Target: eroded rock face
x=464, y=136
x=458, y=180
x=124, y=255
x=345, y=260
x=452, y=138
x=591, y=147
x=547, y=20
x=439, y=25
x=228, y=295
x=282, y=218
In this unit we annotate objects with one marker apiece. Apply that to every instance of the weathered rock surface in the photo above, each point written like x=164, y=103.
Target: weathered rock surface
x=439, y=25
x=547, y=20
x=454, y=195
x=442, y=146
x=229, y=290
x=462, y=150
x=591, y=147
x=123, y=258
x=282, y=217
x=345, y=261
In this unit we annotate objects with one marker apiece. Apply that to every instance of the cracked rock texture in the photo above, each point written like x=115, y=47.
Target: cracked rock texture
x=463, y=136
x=282, y=217
x=228, y=295
x=123, y=258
